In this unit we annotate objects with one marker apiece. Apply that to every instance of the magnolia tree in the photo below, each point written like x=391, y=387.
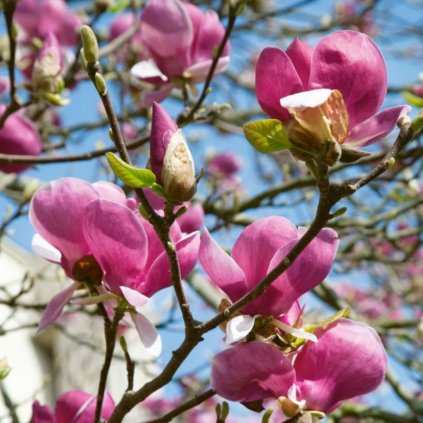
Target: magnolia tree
x=309, y=177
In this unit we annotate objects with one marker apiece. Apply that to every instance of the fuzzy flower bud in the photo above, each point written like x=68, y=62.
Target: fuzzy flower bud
x=170, y=158
x=89, y=44
x=178, y=173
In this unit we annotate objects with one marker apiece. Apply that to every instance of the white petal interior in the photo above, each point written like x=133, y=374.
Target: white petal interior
x=305, y=99
x=238, y=328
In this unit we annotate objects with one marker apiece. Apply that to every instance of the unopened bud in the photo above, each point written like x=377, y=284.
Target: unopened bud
x=89, y=44
x=4, y=368
x=100, y=84
x=389, y=163
x=178, y=172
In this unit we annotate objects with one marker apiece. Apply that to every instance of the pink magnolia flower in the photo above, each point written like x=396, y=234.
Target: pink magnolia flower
x=349, y=360
x=72, y=407
x=179, y=40
x=94, y=232
x=259, y=248
x=40, y=17
x=224, y=165
x=344, y=77
x=18, y=136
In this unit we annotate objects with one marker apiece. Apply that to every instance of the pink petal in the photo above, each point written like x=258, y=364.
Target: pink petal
x=122, y=23
x=134, y=298
x=111, y=192
x=167, y=32
x=351, y=62
x=221, y=267
x=192, y=220
x=293, y=315
x=162, y=129
x=118, y=242
x=149, y=336
x=349, y=360
x=199, y=71
x=55, y=306
x=79, y=407
x=307, y=271
x=42, y=413
x=148, y=97
x=159, y=275
x=377, y=127
x=276, y=78
x=18, y=136
x=258, y=243
x=57, y=212
x=238, y=328
x=208, y=36
x=300, y=54
x=250, y=372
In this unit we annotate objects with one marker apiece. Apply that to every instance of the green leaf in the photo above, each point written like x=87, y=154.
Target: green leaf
x=413, y=99
x=130, y=175
x=118, y=6
x=267, y=135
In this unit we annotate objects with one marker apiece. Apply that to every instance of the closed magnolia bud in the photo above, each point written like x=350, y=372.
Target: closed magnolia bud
x=178, y=172
x=89, y=44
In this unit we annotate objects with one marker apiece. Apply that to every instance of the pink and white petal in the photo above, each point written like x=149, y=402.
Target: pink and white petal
x=377, y=127
x=159, y=275
x=351, y=62
x=63, y=200
x=238, y=328
x=149, y=336
x=44, y=249
x=251, y=371
x=108, y=191
x=221, y=268
x=118, y=242
x=258, y=243
x=199, y=71
x=300, y=54
x=306, y=99
x=55, y=306
x=134, y=298
x=148, y=70
x=294, y=315
x=148, y=97
x=276, y=78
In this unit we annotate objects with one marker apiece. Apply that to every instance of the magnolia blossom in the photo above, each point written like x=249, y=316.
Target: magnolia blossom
x=328, y=93
x=18, y=136
x=179, y=40
x=72, y=407
x=39, y=17
x=93, y=231
x=170, y=158
x=258, y=250
x=348, y=360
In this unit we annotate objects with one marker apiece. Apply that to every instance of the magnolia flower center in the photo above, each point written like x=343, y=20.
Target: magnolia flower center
x=87, y=270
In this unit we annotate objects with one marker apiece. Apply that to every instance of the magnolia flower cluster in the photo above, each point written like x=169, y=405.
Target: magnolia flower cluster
x=320, y=372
